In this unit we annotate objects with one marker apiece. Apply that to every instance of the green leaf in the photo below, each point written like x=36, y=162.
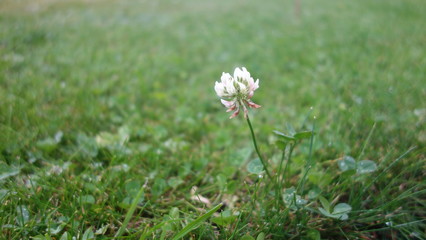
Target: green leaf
x=221, y=181
x=132, y=187
x=55, y=228
x=41, y=237
x=108, y=139
x=324, y=212
x=23, y=215
x=314, y=192
x=281, y=144
x=240, y=156
x=284, y=137
x=225, y=219
x=343, y=217
x=348, y=173
x=174, y=182
x=174, y=213
x=231, y=187
x=312, y=234
x=87, y=199
x=7, y=171
x=65, y=236
x=325, y=203
x=158, y=187
x=255, y=166
x=366, y=166
x=126, y=203
x=102, y=230
x=342, y=208
x=247, y=237
x=47, y=145
x=90, y=187
x=340, y=211
x=303, y=135
x=194, y=224
x=87, y=145
x=88, y=234
x=335, y=216
x=347, y=163
x=3, y=194
x=292, y=200
x=261, y=236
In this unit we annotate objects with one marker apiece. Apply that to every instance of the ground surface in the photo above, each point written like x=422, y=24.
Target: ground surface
x=100, y=99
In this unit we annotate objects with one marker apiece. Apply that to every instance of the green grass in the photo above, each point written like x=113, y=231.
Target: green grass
x=102, y=100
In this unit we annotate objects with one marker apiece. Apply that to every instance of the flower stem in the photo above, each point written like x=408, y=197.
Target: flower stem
x=257, y=149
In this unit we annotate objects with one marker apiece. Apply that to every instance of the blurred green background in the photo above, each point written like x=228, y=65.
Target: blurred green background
x=94, y=65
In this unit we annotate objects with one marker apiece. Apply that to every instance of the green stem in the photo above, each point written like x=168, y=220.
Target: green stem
x=286, y=178
x=281, y=165
x=278, y=175
x=309, y=163
x=257, y=149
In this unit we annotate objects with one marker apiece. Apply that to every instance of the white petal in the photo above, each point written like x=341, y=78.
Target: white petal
x=226, y=77
x=229, y=86
x=238, y=74
x=246, y=73
x=219, y=88
x=243, y=88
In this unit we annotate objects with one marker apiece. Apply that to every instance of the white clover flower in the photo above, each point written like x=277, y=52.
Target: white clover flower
x=236, y=92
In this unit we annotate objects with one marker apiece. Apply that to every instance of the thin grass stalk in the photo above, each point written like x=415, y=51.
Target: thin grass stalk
x=287, y=166
x=309, y=163
x=279, y=174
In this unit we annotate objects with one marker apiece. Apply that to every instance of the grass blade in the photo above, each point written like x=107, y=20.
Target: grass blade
x=194, y=224
x=156, y=227
x=130, y=212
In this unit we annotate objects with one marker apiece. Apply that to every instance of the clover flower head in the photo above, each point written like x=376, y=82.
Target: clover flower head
x=236, y=91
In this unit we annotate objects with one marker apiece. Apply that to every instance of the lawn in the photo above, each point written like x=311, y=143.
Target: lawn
x=110, y=126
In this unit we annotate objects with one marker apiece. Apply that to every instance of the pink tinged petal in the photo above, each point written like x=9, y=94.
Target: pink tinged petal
x=256, y=85
x=252, y=104
x=227, y=104
x=235, y=113
x=251, y=86
x=250, y=81
x=233, y=106
x=231, y=109
x=250, y=94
